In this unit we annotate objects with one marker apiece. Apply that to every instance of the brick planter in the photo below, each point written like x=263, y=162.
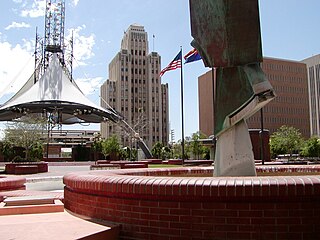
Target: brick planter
x=134, y=164
x=26, y=167
x=153, y=161
x=11, y=183
x=151, y=207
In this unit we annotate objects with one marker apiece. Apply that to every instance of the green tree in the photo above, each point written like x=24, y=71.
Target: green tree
x=111, y=148
x=311, y=148
x=176, y=150
x=36, y=151
x=166, y=152
x=197, y=148
x=129, y=154
x=27, y=134
x=7, y=151
x=97, y=145
x=157, y=150
x=287, y=140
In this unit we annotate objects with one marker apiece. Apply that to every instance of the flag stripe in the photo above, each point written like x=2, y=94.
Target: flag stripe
x=190, y=53
x=174, y=64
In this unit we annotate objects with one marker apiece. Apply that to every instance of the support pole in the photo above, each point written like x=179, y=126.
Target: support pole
x=261, y=137
x=182, y=112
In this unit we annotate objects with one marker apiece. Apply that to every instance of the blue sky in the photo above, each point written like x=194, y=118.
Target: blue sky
x=290, y=30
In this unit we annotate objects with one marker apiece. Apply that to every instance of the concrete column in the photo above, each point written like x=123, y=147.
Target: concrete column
x=234, y=155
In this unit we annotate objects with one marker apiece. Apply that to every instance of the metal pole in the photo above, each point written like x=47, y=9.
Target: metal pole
x=213, y=115
x=261, y=137
x=48, y=139
x=71, y=60
x=182, y=112
x=35, y=57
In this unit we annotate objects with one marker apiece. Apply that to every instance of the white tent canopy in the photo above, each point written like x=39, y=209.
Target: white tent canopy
x=55, y=93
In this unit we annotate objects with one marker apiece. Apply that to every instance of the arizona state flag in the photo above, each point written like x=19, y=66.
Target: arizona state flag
x=192, y=56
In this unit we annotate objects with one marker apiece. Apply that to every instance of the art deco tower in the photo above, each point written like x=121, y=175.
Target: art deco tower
x=134, y=89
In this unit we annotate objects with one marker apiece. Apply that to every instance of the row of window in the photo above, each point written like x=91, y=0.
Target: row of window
x=279, y=120
x=290, y=89
x=138, y=52
x=138, y=34
x=285, y=78
x=291, y=100
x=286, y=110
x=136, y=81
x=283, y=68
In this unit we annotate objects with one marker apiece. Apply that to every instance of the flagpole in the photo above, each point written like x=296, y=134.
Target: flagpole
x=182, y=112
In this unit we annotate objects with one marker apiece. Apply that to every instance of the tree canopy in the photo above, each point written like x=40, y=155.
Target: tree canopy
x=111, y=147
x=287, y=140
x=311, y=147
x=27, y=134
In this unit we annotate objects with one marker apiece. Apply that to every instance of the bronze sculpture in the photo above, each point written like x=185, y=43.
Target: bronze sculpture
x=227, y=35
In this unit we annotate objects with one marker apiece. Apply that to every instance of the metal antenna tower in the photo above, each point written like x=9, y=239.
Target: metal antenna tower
x=54, y=30
x=53, y=42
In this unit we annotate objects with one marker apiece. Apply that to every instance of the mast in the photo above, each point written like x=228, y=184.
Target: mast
x=54, y=30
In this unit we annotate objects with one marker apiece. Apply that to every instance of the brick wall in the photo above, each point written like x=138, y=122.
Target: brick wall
x=149, y=207
x=12, y=183
x=11, y=168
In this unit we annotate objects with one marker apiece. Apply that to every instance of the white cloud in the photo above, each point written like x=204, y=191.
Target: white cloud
x=89, y=85
x=36, y=10
x=16, y=66
x=82, y=45
x=18, y=25
x=75, y=2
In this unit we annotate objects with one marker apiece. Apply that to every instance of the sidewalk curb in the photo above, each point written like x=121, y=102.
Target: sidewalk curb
x=43, y=179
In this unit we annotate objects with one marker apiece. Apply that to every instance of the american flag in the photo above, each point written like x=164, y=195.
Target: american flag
x=174, y=64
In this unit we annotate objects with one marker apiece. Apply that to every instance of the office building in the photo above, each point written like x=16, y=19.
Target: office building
x=313, y=70
x=134, y=89
x=290, y=107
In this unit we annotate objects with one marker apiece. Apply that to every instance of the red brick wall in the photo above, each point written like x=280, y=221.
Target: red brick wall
x=12, y=183
x=11, y=168
x=148, y=207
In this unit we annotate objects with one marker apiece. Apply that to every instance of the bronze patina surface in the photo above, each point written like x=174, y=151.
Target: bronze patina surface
x=227, y=35
x=226, y=32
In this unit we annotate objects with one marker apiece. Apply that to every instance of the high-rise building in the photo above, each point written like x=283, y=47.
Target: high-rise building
x=290, y=107
x=205, y=93
x=134, y=89
x=313, y=70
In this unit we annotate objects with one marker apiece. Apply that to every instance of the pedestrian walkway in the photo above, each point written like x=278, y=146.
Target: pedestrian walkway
x=58, y=225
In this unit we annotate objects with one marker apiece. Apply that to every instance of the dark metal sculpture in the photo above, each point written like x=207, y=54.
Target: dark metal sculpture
x=227, y=35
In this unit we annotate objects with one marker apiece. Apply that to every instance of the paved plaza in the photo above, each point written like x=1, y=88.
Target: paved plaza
x=52, y=180
x=52, y=225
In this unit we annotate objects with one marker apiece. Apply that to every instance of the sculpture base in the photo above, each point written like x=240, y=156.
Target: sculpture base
x=234, y=155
